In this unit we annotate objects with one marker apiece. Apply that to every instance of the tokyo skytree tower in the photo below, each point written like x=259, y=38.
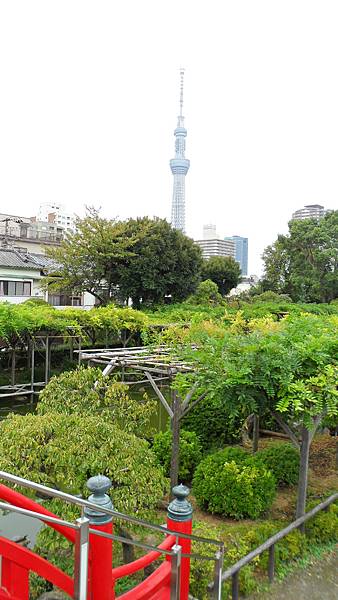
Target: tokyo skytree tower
x=179, y=168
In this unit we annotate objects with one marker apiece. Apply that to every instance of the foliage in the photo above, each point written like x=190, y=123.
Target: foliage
x=304, y=263
x=86, y=391
x=20, y=320
x=282, y=459
x=211, y=421
x=270, y=296
x=312, y=396
x=64, y=452
x=324, y=527
x=190, y=452
x=233, y=488
x=239, y=540
x=206, y=293
x=88, y=259
x=165, y=263
x=222, y=270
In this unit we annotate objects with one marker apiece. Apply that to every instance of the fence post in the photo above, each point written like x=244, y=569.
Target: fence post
x=180, y=519
x=101, y=549
x=81, y=559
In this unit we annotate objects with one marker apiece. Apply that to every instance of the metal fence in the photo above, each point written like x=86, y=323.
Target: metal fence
x=269, y=546
x=82, y=530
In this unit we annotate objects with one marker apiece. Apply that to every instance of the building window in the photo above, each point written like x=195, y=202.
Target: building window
x=15, y=288
x=64, y=300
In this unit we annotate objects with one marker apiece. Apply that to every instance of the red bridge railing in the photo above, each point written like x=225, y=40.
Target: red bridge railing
x=92, y=536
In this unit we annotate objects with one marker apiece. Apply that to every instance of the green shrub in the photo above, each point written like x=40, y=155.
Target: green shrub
x=282, y=459
x=239, y=540
x=323, y=527
x=190, y=452
x=211, y=421
x=233, y=489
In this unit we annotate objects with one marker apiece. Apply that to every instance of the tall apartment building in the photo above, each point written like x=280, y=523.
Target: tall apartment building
x=217, y=247
x=212, y=245
x=310, y=211
x=54, y=212
x=241, y=252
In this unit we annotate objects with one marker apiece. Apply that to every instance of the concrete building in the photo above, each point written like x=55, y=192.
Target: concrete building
x=209, y=232
x=20, y=233
x=20, y=279
x=241, y=252
x=310, y=211
x=179, y=167
x=217, y=247
x=55, y=213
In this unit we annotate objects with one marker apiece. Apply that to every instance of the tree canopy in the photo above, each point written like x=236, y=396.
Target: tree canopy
x=165, y=262
x=143, y=259
x=222, y=270
x=304, y=263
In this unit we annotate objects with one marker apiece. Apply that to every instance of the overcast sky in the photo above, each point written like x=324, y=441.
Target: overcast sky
x=89, y=101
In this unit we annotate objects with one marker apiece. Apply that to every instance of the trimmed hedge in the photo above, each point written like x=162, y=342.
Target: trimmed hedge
x=233, y=488
x=282, y=459
x=190, y=452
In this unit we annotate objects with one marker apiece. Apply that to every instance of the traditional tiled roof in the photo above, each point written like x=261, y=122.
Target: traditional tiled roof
x=26, y=260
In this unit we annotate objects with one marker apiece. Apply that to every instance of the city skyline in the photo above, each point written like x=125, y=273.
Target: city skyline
x=89, y=121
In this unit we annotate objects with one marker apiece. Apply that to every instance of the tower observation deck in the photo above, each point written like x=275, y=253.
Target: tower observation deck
x=179, y=167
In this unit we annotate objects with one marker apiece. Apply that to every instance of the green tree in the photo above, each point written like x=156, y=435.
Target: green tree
x=287, y=368
x=222, y=270
x=304, y=263
x=89, y=259
x=206, y=293
x=143, y=259
x=165, y=262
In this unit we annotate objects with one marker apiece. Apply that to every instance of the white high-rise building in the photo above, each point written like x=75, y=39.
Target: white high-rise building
x=209, y=232
x=310, y=211
x=55, y=212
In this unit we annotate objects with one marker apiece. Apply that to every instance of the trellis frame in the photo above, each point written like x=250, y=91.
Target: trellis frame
x=154, y=364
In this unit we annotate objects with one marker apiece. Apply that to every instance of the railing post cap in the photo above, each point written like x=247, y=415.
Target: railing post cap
x=180, y=508
x=99, y=485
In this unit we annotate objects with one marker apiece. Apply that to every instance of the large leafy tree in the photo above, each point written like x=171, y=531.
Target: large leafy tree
x=143, y=259
x=222, y=270
x=89, y=259
x=165, y=262
x=304, y=263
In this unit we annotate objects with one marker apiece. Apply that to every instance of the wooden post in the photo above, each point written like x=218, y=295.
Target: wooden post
x=13, y=366
x=255, y=435
x=32, y=369
x=80, y=351
x=46, y=360
x=71, y=348
x=303, y=473
x=175, y=448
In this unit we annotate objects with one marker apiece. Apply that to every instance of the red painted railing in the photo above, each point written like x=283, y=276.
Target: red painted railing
x=18, y=562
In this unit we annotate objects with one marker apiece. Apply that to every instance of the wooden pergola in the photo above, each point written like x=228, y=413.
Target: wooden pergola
x=144, y=364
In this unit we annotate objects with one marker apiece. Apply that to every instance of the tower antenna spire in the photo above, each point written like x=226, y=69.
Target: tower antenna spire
x=179, y=167
x=181, y=91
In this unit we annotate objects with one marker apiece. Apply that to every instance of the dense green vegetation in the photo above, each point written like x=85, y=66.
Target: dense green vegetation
x=304, y=263
x=143, y=259
x=264, y=355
